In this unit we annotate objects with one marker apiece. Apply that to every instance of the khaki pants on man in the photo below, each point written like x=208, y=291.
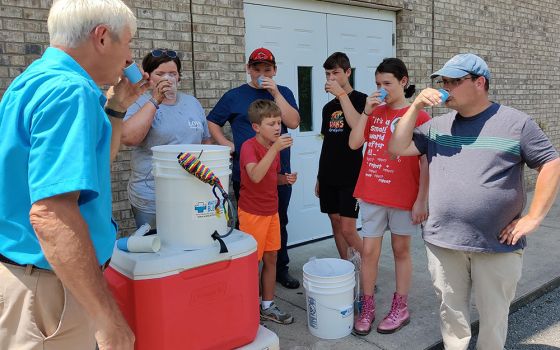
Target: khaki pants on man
x=37, y=313
x=493, y=279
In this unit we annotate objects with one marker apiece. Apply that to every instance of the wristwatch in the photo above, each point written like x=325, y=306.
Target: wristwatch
x=112, y=113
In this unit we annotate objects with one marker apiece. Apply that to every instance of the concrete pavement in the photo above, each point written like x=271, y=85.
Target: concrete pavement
x=541, y=273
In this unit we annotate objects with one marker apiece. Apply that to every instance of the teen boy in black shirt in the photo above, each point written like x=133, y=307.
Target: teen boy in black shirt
x=339, y=165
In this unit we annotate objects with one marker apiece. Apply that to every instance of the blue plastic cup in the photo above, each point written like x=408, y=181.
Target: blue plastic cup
x=260, y=80
x=133, y=73
x=383, y=94
x=444, y=95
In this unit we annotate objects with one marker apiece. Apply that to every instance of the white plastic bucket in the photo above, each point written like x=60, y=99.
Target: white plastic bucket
x=329, y=287
x=185, y=213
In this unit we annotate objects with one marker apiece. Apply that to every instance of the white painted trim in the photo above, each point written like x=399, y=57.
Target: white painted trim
x=328, y=7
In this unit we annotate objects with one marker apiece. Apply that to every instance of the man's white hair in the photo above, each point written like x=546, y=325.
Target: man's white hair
x=71, y=21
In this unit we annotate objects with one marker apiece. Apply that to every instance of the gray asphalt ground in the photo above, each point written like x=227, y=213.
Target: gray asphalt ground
x=535, y=326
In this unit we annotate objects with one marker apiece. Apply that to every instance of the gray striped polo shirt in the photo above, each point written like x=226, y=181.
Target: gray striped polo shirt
x=476, y=175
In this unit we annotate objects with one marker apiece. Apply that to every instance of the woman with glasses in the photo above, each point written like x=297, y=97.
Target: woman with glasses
x=161, y=116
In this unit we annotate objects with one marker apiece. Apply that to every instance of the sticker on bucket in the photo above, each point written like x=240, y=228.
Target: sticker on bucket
x=347, y=311
x=312, y=312
x=206, y=209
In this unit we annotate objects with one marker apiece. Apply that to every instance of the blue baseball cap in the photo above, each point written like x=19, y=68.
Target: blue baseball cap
x=463, y=64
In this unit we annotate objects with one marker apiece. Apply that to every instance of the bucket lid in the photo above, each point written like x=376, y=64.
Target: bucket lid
x=328, y=268
x=171, y=261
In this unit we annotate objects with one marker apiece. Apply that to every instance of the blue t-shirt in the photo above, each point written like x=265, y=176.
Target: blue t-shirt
x=233, y=108
x=54, y=138
x=181, y=123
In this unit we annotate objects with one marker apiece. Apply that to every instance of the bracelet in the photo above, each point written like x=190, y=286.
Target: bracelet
x=115, y=114
x=154, y=102
x=341, y=94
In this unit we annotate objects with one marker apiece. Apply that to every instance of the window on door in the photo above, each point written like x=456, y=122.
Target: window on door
x=305, y=97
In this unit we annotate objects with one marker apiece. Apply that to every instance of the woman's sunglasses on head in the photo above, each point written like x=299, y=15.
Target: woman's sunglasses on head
x=164, y=52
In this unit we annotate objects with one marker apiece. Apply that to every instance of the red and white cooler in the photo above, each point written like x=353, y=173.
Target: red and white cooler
x=196, y=300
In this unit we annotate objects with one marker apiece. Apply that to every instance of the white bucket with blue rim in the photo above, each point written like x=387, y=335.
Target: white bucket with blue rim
x=329, y=288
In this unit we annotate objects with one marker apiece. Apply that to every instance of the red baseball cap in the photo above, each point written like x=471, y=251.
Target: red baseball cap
x=262, y=55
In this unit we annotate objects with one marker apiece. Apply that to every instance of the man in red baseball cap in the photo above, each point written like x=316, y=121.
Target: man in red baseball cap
x=262, y=55
x=233, y=108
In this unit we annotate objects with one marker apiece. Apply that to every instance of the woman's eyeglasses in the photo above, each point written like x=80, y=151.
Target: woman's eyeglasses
x=164, y=52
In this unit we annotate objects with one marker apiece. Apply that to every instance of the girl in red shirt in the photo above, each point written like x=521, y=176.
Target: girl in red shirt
x=392, y=191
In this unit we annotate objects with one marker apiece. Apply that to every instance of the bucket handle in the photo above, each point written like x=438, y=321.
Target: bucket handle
x=344, y=310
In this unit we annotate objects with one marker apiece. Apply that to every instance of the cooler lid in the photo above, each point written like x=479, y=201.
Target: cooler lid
x=171, y=261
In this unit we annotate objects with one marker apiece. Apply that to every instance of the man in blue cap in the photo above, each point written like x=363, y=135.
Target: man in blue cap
x=475, y=238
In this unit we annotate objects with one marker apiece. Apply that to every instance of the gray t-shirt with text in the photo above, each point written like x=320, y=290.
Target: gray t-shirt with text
x=181, y=123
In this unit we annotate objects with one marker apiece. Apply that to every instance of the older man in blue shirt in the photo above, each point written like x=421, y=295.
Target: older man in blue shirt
x=56, y=231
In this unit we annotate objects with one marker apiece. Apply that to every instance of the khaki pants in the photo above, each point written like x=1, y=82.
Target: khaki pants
x=37, y=313
x=493, y=278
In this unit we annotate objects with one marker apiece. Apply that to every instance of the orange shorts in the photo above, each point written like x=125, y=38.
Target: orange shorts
x=264, y=229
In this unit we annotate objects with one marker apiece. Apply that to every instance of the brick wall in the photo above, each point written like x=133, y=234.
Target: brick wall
x=518, y=40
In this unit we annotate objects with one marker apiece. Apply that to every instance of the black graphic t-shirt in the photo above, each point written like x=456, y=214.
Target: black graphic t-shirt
x=339, y=165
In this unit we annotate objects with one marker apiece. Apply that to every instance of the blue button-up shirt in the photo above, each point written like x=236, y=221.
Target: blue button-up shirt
x=54, y=138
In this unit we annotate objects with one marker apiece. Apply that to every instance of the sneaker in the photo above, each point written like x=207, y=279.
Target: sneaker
x=397, y=318
x=274, y=314
x=362, y=325
x=287, y=281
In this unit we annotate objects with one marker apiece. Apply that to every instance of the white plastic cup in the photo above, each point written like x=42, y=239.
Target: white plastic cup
x=133, y=73
x=140, y=244
x=171, y=94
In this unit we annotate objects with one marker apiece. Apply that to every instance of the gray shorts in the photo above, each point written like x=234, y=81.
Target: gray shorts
x=376, y=219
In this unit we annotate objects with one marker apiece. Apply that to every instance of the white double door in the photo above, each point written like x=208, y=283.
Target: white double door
x=301, y=39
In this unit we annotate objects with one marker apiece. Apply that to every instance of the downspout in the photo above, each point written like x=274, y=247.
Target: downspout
x=433, y=43
x=433, y=31
x=192, y=49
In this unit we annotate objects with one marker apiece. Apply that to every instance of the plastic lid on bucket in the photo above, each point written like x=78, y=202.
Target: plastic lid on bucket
x=328, y=268
x=206, y=150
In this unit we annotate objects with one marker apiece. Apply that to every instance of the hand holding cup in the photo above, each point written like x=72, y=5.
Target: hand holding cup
x=430, y=97
x=267, y=84
x=333, y=87
x=284, y=141
x=374, y=100
x=162, y=88
x=291, y=178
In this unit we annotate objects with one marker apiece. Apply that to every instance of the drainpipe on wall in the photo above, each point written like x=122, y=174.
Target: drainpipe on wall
x=192, y=49
x=433, y=31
